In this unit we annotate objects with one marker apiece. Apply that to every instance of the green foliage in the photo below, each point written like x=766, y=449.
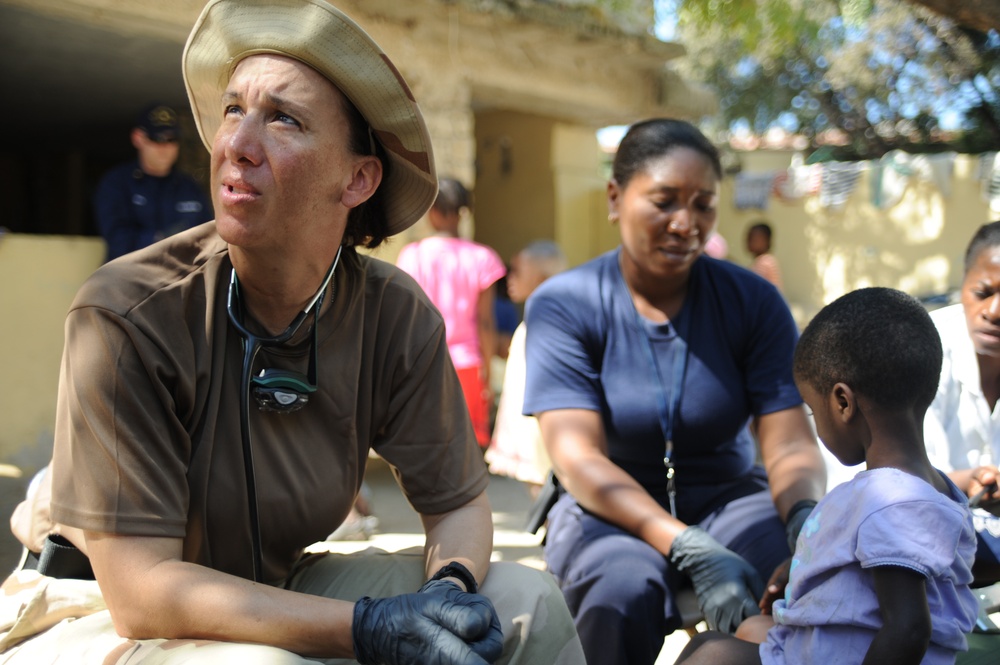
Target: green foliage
x=754, y=24
x=881, y=72
x=855, y=12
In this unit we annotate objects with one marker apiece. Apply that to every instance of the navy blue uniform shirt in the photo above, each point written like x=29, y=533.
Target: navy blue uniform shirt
x=134, y=209
x=585, y=350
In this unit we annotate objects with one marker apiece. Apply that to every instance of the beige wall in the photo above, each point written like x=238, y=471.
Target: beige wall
x=916, y=245
x=538, y=178
x=581, y=222
x=41, y=275
x=515, y=196
x=535, y=178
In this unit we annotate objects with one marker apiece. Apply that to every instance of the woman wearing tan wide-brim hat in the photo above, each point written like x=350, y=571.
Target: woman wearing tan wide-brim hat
x=221, y=391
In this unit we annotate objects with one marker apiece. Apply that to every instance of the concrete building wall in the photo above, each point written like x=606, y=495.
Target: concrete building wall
x=41, y=275
x=467, y=62
x=581, y=217
x=516, y=199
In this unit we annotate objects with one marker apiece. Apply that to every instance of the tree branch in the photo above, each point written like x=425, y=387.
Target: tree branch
x=982, y=15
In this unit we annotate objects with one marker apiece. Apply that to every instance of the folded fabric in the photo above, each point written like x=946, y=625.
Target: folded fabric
x=941, y=167
x=31, y=603
x=798, y=180
x=891, y=175
x=752, y=190
x=839, y=181
x=990, y=178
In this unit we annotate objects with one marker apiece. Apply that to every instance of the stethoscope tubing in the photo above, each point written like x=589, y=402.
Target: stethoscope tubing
x=251, y=347
x=249, y=355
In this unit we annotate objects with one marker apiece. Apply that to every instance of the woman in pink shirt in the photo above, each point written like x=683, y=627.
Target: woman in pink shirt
x=458, y=275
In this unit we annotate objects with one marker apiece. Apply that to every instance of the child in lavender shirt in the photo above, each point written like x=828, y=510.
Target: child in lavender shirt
x=882, y=567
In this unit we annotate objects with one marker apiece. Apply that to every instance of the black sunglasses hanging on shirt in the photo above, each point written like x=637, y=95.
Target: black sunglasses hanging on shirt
x=280, y=390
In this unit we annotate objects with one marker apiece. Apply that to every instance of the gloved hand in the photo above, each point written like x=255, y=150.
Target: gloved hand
x=490, y=645
x=797, y=517
x=439, y=625
x=726, y=585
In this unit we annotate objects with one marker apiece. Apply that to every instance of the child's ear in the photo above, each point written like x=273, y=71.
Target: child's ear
x=844, y=401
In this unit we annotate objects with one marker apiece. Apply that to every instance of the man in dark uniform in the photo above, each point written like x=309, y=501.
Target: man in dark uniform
x=147, y=199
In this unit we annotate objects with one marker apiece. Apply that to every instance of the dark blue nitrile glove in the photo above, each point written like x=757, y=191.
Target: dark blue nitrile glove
x=797, y=517
x=439, y=625
x=490, y=645
x=726, y=585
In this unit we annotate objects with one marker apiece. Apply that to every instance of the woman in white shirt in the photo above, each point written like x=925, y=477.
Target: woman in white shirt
x=962, y=427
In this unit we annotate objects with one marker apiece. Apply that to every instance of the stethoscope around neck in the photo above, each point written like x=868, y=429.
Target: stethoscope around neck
x=277, y=390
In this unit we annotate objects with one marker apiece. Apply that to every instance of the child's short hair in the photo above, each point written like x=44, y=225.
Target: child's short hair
x=880, y=342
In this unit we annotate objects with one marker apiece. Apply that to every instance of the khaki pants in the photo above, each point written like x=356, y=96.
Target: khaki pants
x=537, y=626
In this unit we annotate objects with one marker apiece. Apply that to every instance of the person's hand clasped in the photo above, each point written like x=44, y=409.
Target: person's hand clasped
x=438, y=625
x=726, y=585
x=983, y=492
x=775, y=588
x=984, y=478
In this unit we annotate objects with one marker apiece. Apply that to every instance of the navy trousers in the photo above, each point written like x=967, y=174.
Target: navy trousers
x=620, y=590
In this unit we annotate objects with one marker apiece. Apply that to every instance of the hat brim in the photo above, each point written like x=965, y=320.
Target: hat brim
x=327, y=40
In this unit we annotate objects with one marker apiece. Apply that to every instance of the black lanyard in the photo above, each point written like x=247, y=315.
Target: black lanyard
x=668, y=407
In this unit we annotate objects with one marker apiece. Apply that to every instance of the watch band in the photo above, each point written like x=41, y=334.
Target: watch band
x=459, y=572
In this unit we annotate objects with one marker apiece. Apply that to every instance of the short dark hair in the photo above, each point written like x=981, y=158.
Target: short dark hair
x=761, y=227
x=546, y=255
x=367, y=224
x=651, y=139
x=452, y=197
x=986, y=237
x=880, y=342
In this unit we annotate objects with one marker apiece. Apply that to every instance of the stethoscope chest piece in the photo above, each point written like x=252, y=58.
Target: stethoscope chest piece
x=281, y=391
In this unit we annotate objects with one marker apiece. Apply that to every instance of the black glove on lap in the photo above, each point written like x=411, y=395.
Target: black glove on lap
x=726, y=585
x=439, y=625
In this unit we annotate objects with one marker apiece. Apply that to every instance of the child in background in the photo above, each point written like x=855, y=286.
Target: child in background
x=517, y=449
x=759, y=246
x=458, y=274
x=882, y=567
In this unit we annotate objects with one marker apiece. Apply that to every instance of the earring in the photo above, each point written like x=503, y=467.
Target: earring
x=612, y=218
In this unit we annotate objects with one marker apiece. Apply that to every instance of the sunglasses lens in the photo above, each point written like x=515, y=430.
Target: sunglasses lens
x=279, y=399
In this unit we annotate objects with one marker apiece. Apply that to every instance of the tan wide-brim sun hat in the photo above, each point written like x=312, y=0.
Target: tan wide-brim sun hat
x=324, y=38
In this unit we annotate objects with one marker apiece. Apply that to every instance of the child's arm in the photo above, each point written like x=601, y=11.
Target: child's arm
x=906, y=619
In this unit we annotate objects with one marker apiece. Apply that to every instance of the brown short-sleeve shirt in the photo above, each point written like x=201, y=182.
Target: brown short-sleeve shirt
x=148, y=427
